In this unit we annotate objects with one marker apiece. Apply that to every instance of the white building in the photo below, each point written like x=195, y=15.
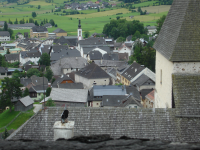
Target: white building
x=4, y=36
x=177, y=51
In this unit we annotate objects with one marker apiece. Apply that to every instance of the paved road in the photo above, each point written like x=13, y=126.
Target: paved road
x=37, y=107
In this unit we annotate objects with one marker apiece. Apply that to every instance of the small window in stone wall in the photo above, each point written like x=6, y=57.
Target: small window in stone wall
x=161, y=76
x=97, y=103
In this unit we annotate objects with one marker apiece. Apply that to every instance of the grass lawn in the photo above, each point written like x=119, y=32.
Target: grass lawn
x=22, y=118
x=7, y=117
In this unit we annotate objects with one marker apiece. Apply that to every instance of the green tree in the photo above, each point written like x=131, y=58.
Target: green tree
x=86, y=34
x=26, y=92
x=53, y=80
x=16, y=22
x=5, y=27
x=49, y=73
x=10, y=22
x=44, y=59
x=50, y=102
x=34, y=14
x=10, y=89
x=160, y=23
x=33, y=71
x=1, y=59
x=121, y=39
x=11, y=32
x=52, y=22
x=36, y=23
x=7, y=52
x=39, y=6
x=118, y=17
x=48, y=91
x=5, y=134
x=31, y=20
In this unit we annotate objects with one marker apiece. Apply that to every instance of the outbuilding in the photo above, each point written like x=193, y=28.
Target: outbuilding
x=24, y=104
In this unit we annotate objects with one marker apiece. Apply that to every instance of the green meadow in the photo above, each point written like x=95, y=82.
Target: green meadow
x=91, y=20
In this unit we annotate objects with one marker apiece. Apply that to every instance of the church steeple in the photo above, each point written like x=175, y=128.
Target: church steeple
x=79, y=31
x=79, y=26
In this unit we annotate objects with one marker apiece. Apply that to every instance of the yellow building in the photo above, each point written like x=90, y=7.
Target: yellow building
x=38, y=32
x=60, y=32
x=130, y=73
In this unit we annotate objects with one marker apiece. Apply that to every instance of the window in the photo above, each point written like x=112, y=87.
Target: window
x=97, y=103
x=161, y=76
x=135, y=106
x=2, y=73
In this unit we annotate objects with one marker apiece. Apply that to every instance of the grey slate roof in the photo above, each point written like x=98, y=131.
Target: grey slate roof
x=71, y=86
x=109, y=56
x=69, y=95
x=58, y=30
x=130, y=100
x=3, y=70
x=46, y=49
x=12, y=57
x=4, y=33
x=88, y=48
x=92, y=71
x=183, y=19
x=68, y=62
x=132, y=70
x=112, y=100
x=47, y=25
x=39, y=29
x=33, y=54
x=141, y=80
x=65, y=53
x=100, y=90
x=26, y=101
x=21, y=25
x=144, y=92
x=123, y=56
x=129, y=38
x=59, y=48
x=95, y=55
x=131, y=90
x=93, y=41
x=38, y=88
x=109, y=63
x=25, y=82
x=186, y=90
x=59, y=80
x=38, y=80
x=134, y=123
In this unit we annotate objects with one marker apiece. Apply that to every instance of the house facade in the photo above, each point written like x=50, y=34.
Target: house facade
x=92, y=75
x=38, y=32
x=4, y=36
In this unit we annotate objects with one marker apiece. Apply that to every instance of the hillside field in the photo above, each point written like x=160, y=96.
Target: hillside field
x=91, y=20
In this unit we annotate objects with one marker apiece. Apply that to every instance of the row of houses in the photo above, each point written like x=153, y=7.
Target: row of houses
x=84, y=65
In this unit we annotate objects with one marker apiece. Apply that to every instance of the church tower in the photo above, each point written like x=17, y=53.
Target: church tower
x=178, y=57
x=79, y=31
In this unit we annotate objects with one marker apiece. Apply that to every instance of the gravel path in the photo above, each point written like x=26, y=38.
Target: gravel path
x=37, y=107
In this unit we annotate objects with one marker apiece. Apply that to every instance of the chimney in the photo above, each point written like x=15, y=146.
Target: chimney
x=64, y=130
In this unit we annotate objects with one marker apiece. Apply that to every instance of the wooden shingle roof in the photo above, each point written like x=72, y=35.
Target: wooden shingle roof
x=179, y=38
